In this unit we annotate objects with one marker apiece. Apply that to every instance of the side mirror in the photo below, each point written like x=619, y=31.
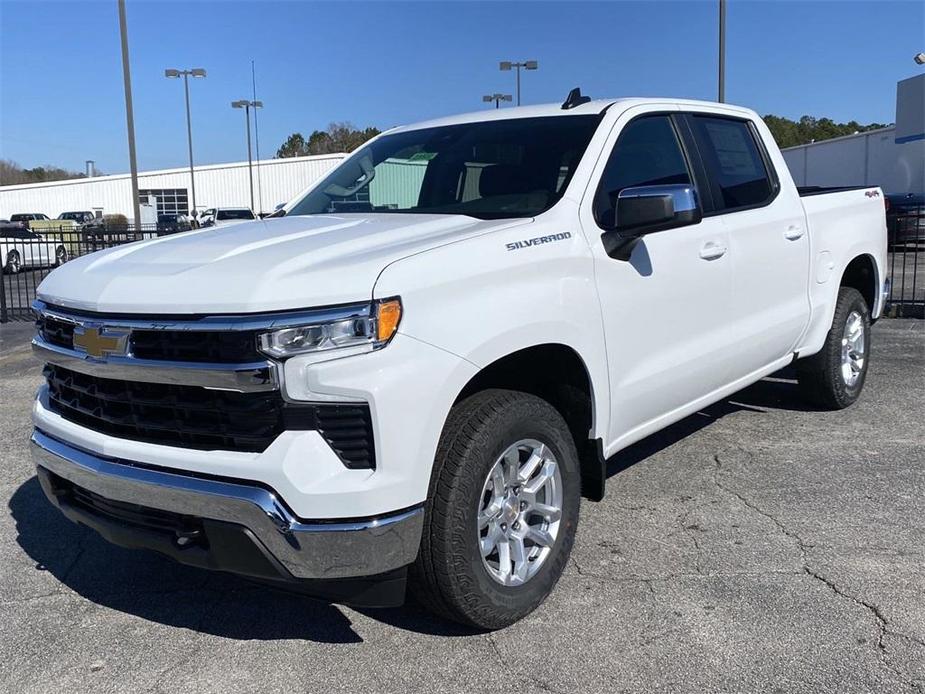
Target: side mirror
x=646, y=210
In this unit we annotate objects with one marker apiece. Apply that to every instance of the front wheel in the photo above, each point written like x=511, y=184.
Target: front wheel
x=834, y=377
x=60, y=256
x=502, y=510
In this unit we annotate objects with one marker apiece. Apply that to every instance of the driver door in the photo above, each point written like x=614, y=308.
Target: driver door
x=665, y=307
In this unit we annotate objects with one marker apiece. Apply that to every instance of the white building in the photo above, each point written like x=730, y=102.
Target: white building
x=892, y=158
x=217, y=185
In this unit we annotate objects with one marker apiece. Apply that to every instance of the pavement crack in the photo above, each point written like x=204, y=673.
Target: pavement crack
x=883, y=627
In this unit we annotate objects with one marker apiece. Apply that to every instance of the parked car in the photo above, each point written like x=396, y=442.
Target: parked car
x=172, y=223
x=25, y=219
x=418, y=371
x=77, y=217
x=225, y=216
x=905, y=219
x=21, y=248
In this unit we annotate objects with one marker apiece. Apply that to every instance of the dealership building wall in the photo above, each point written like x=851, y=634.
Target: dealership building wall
x=217, y=185
x=892, y=158
x=873, y=158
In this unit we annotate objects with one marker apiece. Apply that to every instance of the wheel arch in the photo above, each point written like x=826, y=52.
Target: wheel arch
x=558, y=374
x=861, y=274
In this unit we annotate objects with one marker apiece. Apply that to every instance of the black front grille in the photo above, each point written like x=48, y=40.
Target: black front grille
x=56, y=332
x=172, y=415
x=214, y=347
x=194, y=417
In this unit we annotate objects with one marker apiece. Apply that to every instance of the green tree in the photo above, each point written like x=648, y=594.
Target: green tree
x=339, y=137
x=294, y=146
x=12, y=173
x=788, y=133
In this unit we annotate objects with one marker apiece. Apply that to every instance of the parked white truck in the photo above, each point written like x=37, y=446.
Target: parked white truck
x=420, y=368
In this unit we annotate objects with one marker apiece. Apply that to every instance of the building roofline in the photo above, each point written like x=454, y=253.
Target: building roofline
x=840, y=138
x=159, y=172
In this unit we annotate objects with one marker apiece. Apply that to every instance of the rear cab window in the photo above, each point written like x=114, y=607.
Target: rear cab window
x=737, y=165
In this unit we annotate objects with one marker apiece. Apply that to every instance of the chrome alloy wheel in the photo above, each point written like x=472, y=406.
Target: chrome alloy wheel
x=520, y=512
x=852, y=349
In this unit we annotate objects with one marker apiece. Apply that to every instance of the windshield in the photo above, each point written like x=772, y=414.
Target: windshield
x=489, y=170
x=235, y=214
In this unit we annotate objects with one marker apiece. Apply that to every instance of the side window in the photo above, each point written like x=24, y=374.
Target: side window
x=734, y=162
x=647, y=153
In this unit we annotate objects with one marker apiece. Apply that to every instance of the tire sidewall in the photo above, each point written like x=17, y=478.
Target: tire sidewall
x=12, y=268
x=514, y=424
x=850, y=301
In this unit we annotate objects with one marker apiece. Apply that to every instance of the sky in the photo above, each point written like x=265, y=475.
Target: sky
x=388, y=63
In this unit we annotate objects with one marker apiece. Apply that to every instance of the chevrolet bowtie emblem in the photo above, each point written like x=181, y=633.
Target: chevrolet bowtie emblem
x=94, y=342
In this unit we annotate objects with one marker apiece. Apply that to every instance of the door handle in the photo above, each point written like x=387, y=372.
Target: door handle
x=712, y=251
x=793, y=232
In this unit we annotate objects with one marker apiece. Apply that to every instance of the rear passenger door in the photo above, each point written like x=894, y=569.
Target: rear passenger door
x=768, y=241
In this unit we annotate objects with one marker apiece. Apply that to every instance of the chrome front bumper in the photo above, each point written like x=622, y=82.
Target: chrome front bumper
x=305, y=550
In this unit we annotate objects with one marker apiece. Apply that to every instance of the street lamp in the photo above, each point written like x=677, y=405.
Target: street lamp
x=497, y=98
x=247, y=106
x=186, y=74
x=919, y=58
x=506, y=66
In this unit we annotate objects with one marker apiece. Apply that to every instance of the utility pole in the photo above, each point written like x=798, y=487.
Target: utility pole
x=722, y=52
x=129, y=115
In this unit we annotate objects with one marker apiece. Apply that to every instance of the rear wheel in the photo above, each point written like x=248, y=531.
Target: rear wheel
x=60, y=255
x=834, y=377
x=502, y=510
x=13, y=262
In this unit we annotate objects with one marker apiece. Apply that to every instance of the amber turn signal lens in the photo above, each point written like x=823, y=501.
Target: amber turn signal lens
x=388, y=314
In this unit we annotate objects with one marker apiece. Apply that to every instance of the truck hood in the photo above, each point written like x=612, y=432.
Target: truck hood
x=267, y=265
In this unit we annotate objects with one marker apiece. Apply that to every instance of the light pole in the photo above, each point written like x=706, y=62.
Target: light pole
x=247, y=106
x=506, y=66
x=129, y=115
x=186, y=74
x=721, y=88
x=497, y=98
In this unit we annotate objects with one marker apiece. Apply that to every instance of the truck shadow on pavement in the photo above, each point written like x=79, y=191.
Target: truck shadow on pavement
x=155, y=588
x=778, y=392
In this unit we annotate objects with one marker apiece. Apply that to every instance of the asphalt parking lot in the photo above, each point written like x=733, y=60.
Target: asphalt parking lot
x=755, y=547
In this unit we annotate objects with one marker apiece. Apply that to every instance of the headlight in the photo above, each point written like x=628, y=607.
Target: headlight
x=373, y=330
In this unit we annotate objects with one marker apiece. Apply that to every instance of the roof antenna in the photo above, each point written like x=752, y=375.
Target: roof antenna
x=574, y=99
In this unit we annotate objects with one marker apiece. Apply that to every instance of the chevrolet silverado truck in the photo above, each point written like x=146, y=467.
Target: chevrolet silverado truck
x=412, y=376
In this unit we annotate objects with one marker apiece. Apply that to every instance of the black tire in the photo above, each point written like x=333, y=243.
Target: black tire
x=60, y=256
x=449, y=577
x=13, y=263
x=820, y=375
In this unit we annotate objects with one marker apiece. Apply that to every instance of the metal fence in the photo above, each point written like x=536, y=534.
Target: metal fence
x=906, y=262
x=26, y=257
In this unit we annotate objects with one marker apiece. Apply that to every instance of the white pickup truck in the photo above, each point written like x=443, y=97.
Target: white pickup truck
x=416, y=373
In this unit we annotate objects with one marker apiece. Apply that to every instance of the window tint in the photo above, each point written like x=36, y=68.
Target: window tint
x=490, y=170
x=647, y=153
x=234, y=214
x=733, y=161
